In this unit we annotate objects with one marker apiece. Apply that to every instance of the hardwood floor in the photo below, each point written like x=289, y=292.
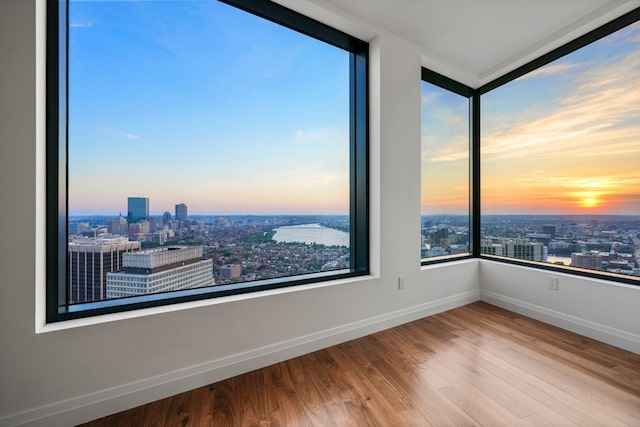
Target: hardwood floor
x=476, y=365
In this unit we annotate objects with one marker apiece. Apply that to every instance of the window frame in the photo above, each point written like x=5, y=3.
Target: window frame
x=57, y=45
x=475, y=157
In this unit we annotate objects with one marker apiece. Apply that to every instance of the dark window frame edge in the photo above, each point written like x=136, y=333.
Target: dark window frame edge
x=359, y=158
x=446, y=83
x=446, y=259
x=296, y=21
x=476, y=185
x=51, y=231
x=56, y=215
x=56, y=208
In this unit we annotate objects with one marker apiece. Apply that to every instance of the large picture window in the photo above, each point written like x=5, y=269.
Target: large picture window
x=445, y=167
x=199, y=149
x=560, y=154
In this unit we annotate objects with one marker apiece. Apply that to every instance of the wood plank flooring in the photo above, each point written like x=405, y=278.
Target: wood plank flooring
x=477, y=365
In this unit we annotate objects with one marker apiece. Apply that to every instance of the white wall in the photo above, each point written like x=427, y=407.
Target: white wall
x=606, y=311
x=68, y=376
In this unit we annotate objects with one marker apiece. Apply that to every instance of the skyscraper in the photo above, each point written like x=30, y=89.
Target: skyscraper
x=166, y=218
x=181, y=212
x=550, y=230
x=138, y=209
x=90, y=259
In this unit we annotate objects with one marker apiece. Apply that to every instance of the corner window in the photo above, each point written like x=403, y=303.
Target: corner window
x=560, y=154
x=199, y=149
x=445, y=168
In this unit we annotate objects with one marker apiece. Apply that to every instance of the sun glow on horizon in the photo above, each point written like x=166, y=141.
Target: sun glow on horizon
x=589, y=199
x=589, y=202
x=566, y=138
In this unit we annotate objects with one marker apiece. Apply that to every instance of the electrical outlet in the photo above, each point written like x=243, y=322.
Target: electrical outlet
x=553, y=283
x=401, y=282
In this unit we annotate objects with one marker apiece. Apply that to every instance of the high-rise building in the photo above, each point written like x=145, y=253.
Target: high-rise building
x=518, y=248
x=118, y=226
x=160, y=270
x=488, y=247
x=137, y=209
x=90, y=259
x=591, y=260
x=166, y=218
x=525, y=249
x=550, y=230
x=440, y=238
x=181, y=212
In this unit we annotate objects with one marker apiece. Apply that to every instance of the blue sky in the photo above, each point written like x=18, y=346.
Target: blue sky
x=198, y=102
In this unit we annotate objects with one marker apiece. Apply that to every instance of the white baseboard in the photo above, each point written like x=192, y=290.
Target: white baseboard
x=105, y=402
x=616, y=337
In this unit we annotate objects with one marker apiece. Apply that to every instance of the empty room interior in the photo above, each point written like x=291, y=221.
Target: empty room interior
x=487, y=182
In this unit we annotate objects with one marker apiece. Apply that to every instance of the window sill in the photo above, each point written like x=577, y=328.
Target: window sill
x=132, y=314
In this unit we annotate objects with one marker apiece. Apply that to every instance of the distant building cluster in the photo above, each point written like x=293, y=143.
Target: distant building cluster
x=609, y=261
x=139, y=226
x=143, y=254
x=611, y=244
x=444, y=239
x=104, y=260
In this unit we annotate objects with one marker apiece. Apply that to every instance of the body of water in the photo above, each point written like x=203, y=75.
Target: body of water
x=563, y=259
x=311, y=233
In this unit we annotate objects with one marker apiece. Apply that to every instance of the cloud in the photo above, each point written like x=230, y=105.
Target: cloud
x=579, y=150
x=598, y=116
x=445, y=127
x=81, y=24
x=601, y=183
x=119, y=133
x=430, y=99
x=549, y=70
x=454, y=150
x=321, y=135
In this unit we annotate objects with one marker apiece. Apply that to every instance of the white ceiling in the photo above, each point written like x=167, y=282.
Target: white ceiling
x=475, y=41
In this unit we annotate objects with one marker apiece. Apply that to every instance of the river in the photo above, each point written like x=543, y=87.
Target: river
x=311, y=233
x=555, y=259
